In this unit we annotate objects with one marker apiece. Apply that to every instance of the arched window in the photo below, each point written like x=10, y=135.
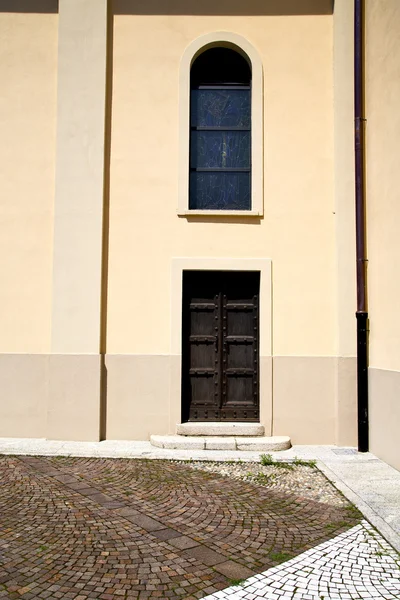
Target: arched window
x=220, y=131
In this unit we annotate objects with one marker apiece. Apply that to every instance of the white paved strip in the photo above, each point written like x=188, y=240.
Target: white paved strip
x=356, y=565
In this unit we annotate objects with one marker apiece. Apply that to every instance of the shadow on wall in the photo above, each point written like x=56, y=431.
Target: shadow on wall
x=29, y=6
x=223, y=7
x=187, y=7
x=222, y=219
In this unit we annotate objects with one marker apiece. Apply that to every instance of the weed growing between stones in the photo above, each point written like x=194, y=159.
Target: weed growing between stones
x=337, y=525
x=304, y=463
x=267, y=460
x=280, y=557
x=236, y=581
x=353, y=511
x=260, y=478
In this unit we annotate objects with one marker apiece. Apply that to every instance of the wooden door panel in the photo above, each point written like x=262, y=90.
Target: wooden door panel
x=202, y=391
x=202, y=355
x=239, y=391
x=240, y=380
x=220, y=346
x=239, y=322
x=202, y=320
x=240, y=355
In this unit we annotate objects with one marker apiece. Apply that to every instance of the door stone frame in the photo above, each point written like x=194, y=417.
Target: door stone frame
x=263, y=265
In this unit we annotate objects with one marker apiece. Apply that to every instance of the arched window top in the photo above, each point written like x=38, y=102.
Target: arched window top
x=220, y=65
x=221, y=127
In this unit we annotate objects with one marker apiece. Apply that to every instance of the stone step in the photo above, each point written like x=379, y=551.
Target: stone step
x=256, y=443
x=220, y=429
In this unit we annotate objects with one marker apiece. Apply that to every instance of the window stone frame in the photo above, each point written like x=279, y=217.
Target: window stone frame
x=196, y=47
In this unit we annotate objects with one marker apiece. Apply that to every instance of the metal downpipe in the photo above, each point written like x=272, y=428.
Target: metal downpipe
x=362, y=310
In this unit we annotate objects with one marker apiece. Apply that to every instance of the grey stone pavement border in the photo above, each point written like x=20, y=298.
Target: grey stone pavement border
x=355, y=565
x=369, y=483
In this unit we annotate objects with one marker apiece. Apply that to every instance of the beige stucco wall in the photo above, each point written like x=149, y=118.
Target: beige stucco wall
x=306, y=386
x=345, y=251
x=344, y=184
x=383, y=218
x=74, y=402
x=28, y=71
x=51, y=218
x=297, y=231
x=306, y=230
x=383, y=190
x=79, y=184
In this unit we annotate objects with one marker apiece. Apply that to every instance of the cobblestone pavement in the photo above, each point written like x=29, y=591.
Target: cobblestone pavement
x=78, y=528
x=355, y=565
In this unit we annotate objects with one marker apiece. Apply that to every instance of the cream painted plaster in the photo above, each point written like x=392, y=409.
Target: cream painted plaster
x=241, y=45
x=343, y=68
x=298, y=228
x=304, y=399
x=344, y=215
x=23, y=395
x=28, y=72
x=383, y=189
x=384, y=415
x=73, y=405
x=78, y=222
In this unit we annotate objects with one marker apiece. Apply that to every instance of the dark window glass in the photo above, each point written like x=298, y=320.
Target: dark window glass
x=220, y=149
x=225, y=107
x=220, y=126
x=220, y=190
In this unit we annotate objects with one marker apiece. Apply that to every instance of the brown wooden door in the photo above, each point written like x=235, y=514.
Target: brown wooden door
x=220, y=380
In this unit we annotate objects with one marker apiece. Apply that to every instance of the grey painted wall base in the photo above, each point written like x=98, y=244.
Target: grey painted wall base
x=73, y=407
x=346, y=401
x=314, y=399
x=384, y=415
x=58, y=396
x=138, y=396
x=24, y=390
x=50, y=396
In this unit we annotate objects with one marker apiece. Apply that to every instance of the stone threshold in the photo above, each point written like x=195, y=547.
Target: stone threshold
x=218, y=429
x=186, y=442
